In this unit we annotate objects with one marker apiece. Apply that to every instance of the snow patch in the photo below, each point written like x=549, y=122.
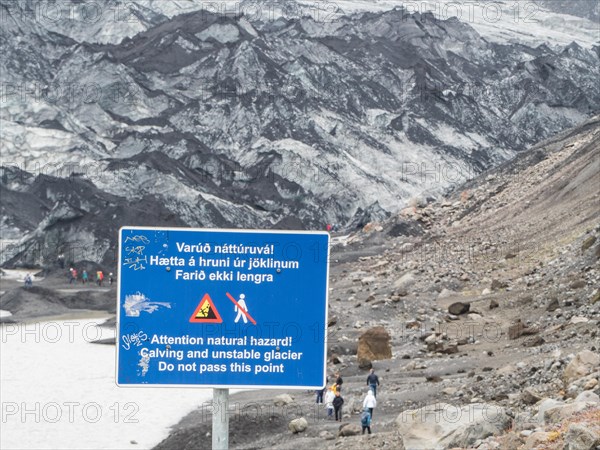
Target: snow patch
x=223, y=33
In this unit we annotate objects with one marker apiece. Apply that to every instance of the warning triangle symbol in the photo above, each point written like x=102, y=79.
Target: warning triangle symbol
x=206, y=312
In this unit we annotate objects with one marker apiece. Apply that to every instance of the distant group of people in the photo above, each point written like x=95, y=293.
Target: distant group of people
x=28, y=281
x=333, y=400
x=85, y=278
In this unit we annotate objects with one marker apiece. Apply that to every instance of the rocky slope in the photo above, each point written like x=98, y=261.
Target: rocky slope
x=217, y=121
x=491, y=305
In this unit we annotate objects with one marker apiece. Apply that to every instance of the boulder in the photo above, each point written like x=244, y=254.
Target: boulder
x=534, y=440
x=349, y=429
x=405, y=281
x=497, y=284
x=581, y=437
x=459, y=308
x=374, y=344
x=578, y=319
x=520, y=329
x=283, y=399
x=545, y=405
x=494, y=304
x=442, y=425
x=327, y=435
x=530, y=396
x=446, y=293
x=335, y=359
x=562, y=412
x=588, y=243
x=364, y=363
x=298, y=425
x=583, y=364
x=589, y=397
x=578, y=284
x=368, y=280
x=450, y=349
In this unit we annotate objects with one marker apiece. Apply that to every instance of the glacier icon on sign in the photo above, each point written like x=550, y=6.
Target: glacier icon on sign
x=138, y=302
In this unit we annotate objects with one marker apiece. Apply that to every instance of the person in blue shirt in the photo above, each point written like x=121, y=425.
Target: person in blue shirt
x=373, y=381
x=365, y=421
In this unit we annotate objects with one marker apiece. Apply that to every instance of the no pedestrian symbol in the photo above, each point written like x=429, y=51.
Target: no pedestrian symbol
x=222, y=308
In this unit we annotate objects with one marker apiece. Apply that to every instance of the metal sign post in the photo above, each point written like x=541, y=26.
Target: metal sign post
x=220, y=419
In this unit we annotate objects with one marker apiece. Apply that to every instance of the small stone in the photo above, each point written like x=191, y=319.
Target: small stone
x=578, y=319
x=578, y=284
x=497, y=285
x=433, y=379
x=534, y=342
x=553, y=305
x=449, y=391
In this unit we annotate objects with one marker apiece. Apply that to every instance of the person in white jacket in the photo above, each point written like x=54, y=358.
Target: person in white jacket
x=370, y=402
x=329, y=396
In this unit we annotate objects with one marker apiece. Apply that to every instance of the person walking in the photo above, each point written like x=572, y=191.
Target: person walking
x=73, y=278
x=84, y=277
x=373, y=381
x=338, y=381
x=370, y=402
x=338, y=401
x=329, y=397
x=320, y=393
x=365, y=421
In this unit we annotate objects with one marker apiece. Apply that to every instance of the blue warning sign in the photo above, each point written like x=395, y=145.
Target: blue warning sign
x=222, y=308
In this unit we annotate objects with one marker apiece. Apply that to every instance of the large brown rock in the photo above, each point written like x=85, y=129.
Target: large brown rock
x=374, y=344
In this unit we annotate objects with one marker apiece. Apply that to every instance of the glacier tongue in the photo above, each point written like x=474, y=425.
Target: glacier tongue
x=200, y=119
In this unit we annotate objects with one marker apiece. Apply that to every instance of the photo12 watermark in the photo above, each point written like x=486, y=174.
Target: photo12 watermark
x=69, y=412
